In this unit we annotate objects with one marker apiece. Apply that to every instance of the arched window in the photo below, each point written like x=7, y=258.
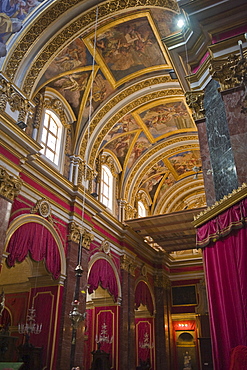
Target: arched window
x=106, y=187
x=51, y=136
x=142, y=212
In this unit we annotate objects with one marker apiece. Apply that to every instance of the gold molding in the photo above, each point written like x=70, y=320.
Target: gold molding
x=10, y=186
x=227, y=201
x=86, y=20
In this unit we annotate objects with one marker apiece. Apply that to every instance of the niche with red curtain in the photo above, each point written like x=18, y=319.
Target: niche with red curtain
x=145, y=342
x=102, y=322
x=35, y=240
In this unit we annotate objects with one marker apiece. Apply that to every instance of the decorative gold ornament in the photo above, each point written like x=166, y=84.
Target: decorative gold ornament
x=161, y=281
x=195, y=100
x=43, y=207
x=17, y=102
x=221, y=205
x=128, y=264
x=77, y=232
x=230, y=72
x=10, y=186
x=105, y=247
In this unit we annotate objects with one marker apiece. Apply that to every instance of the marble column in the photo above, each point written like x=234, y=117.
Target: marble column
x=162, y=327
x=10, y=187
x=235, y=101
x=127, y=316
x=66, y=342
x=221, y=152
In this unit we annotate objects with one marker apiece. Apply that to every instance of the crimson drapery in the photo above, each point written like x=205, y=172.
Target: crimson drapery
x=143, y=296
x=35, y=239
x=220, y=226
x=239, y=358
x=102, y=274
x=225, y=262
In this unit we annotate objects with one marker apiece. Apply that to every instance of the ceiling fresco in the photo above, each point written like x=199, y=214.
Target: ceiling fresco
x=115, y=77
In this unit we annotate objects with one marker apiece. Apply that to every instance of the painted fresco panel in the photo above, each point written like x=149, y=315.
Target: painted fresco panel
x=72, y=87
x=120, y=146
x=126, y=124
x=167, y=117
x=12, y=15
x=128, y=47
x=140, y=146
x=73, y=56
x=185, y=161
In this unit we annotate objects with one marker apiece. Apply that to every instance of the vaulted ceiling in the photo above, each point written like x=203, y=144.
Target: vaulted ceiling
x=112, y=63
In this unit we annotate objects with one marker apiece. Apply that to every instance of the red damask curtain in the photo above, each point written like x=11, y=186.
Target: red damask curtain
x=102, y=274
x=34, y=239
x=143, y=296
x=225, y=260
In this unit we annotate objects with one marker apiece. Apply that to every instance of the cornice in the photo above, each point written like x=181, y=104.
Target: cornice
x=220, y=206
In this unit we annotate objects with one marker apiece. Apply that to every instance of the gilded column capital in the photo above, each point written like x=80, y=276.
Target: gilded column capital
x=195, y=100
x=10, y=186
x=230, y=72
x=130, y=211
x=76, y=232
x=128, y=264
x=162, y=281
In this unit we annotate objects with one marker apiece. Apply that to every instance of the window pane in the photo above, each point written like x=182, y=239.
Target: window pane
x=51, y=142
x=49, y=154
x=53, y=127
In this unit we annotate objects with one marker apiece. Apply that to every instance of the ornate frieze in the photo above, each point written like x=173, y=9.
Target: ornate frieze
x=10, y=186
x=9, y=94
x=77, y=232
x=195, y=100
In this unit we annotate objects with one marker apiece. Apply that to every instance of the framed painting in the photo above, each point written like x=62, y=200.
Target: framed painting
x=185, y=295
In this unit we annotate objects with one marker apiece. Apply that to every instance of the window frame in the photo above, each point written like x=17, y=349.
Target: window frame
x=107, y=197
x=60, y=136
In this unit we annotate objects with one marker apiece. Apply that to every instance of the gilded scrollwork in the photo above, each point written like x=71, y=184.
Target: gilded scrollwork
x=57, y=106
x=130, y=211
x=43, y=207
x=195, y=101
x=230, y=72
x=10, y=186
x=9, y=94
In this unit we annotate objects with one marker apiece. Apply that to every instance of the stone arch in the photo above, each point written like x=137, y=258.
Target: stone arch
x=30, y=218
x=100, y=256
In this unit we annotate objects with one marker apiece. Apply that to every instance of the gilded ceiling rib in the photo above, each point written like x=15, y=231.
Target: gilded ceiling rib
x=121, y=113
x=57, y=9
x=181, y=145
